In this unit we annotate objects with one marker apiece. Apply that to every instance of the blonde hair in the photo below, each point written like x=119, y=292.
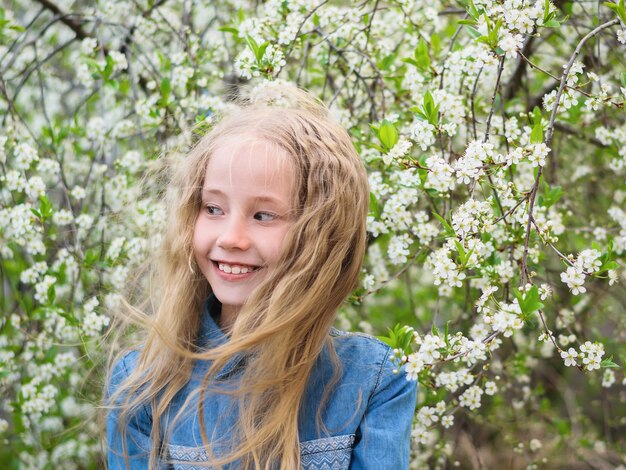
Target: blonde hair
x=298, y=301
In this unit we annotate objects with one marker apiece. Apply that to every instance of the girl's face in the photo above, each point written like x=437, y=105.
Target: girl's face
x=245, y=214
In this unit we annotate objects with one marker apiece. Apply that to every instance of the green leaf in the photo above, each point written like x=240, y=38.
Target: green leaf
x=228, y=29
x=449, y=231
x=609, y=364
x=610, y=265
x=374, y=207
x=431, y=112
x=461, y=250
x=165, y=88
x=562, y=426
x=529, y=301
x=51, y=294
x=124, y=86
x=386, y=63
x=252, y=44
x=551, y=195
x=552, y=24
x=537, y=116
x=378, y=147
x=435, y=43
x=388, y=340
x=400, y=337
x=93, y=65
x=472, y=10
x=536, y=136
x=421, y=55
x=474, y=32
x=45, y=207
x=493, y=34
x=108, y=69
x=388, y=134
x=620, y=10
x=261, y=51
x=91, y=256
x=166, y=64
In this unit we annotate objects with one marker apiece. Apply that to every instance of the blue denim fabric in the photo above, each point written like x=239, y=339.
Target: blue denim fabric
x=366, y=419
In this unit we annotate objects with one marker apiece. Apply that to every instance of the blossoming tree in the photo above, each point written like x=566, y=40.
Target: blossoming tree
x=495, y=136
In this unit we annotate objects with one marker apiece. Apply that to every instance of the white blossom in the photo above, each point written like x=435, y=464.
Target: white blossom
x=511, y=43
x=119, y=60
x=88, y=45
x=569, y=357
x=25, y=156
x=575, y=279
x=423, y=133
x=608, y=378
x=398, y=249
x=471, y=397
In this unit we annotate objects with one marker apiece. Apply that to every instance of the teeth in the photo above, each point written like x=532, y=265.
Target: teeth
x=228, y=269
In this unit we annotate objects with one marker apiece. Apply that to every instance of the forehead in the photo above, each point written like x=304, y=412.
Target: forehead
x=249, y=163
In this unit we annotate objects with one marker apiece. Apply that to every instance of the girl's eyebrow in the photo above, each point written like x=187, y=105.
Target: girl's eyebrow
x=258, y=198
x=206, y=190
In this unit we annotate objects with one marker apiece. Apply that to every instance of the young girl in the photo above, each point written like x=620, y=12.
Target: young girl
x=241, y=367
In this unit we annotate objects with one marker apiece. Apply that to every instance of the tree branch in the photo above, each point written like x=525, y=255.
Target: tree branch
x=549, y=134
x=66, y=19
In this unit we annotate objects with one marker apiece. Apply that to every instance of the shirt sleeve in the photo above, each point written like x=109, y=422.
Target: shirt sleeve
x=136, y=452
x=384, y=434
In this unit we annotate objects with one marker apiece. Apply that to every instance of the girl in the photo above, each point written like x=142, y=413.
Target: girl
x=241, y=367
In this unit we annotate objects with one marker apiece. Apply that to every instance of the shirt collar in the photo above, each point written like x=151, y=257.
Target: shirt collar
x=211, y=335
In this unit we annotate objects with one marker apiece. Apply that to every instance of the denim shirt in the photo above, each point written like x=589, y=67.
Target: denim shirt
x=366, y=418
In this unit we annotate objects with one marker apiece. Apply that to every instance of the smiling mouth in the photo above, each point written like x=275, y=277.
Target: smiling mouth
x=235, y=268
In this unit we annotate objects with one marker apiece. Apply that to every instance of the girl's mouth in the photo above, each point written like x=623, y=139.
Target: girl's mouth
x=235, y=268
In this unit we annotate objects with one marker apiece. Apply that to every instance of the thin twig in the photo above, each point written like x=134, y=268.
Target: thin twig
x=549, y=134
x=493, y=98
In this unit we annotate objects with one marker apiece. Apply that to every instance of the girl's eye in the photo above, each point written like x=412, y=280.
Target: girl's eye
x=213, y=210
x=265, y=216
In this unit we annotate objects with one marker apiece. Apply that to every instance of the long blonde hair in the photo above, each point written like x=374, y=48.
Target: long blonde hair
x=284, y=325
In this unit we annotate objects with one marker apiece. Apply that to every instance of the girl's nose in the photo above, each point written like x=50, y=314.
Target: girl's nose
x=234, y=235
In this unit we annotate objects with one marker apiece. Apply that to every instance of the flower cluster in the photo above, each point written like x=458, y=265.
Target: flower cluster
x=588, y=262
x=589, y=357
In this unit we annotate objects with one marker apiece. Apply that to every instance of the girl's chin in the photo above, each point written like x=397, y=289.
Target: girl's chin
x=230, y=299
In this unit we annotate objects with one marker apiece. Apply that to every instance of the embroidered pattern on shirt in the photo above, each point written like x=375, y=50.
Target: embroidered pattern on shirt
x=330, y=453
x=184, y=458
